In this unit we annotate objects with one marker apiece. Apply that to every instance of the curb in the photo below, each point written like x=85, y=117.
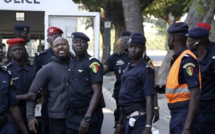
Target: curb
x=109, y=100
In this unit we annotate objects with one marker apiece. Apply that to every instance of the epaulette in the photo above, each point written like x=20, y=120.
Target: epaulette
x=72, y=55
x=6, y=66
x=39, y=53
x=90, y=58
x=5, y=69
x=186, y=55
x=116, y=54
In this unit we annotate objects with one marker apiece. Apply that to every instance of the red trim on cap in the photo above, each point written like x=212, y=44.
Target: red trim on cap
x=204, y=25
x=15, y=41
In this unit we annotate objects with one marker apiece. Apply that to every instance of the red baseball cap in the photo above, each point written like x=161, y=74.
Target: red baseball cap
x=54, y=30
x=204, y=25
x=15, y=41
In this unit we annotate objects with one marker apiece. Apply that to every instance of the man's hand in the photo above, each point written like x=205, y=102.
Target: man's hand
x=31, y=125
x=186, y=131
x=147, y=130
x=84, y=127
x=31, y=96
x=42, y=92
x=118, y=129
x=156, y=115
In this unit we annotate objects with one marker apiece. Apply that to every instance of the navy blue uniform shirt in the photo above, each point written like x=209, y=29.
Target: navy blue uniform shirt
x=117, y=62
x=7, y=96
x=83, y=73
x=22, y=78
x=42, y=58
x=184, y=74
x=136, y=84
x=207, y=66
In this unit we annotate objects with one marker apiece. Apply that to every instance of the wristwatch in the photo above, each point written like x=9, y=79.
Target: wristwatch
x=87, y=118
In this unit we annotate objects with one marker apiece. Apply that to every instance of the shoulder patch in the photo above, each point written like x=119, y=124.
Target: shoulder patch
x=189, y=68
x=95, y=66
x=188, y=64
x=151, y=64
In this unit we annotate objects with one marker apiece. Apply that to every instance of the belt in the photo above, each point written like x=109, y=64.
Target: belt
x=131, y=109
x=135, y=113
x=78, y=111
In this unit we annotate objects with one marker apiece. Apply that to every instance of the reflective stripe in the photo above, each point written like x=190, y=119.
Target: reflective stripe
x=177, y=90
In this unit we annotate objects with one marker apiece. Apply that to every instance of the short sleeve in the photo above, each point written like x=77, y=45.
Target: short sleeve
x=95, y=71
x=12, y=97
x=110, y=63
x=190, y=69
x=148, y=83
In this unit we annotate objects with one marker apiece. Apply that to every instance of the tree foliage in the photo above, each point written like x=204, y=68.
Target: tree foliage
x=164, y=9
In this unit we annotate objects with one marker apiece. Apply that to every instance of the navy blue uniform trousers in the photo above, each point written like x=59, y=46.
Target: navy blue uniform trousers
x=73, y=122
x=208, y=112
x=178, y=120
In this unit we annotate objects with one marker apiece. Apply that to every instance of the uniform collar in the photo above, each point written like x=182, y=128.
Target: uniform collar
x=175, y=56
x=50, y=50
x=17, y=67
x=205, y=58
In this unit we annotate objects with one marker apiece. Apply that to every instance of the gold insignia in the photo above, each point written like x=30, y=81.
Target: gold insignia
x=11, y=82
x=80, y=71
x=188, y=65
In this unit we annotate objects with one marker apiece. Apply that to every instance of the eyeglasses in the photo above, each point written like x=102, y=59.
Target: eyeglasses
x=124, y=39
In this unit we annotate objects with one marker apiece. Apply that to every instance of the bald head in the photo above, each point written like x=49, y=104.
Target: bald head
x=61, y=47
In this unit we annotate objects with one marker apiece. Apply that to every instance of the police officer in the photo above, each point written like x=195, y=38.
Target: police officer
x=41, y=59
x=183, y=84
x=85, y=99
x=137, y=91
x=22, y=31
x=22, y=73
x=198, y=43
x=54, y=77
x=117, y=62
x=211, y=47
x=8, y=103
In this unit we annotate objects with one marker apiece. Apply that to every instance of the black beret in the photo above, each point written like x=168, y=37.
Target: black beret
x=178, y=28
x=125, y=33
x=80, y=35
x=21, y=28
x=137, y=38
x=198, y=32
